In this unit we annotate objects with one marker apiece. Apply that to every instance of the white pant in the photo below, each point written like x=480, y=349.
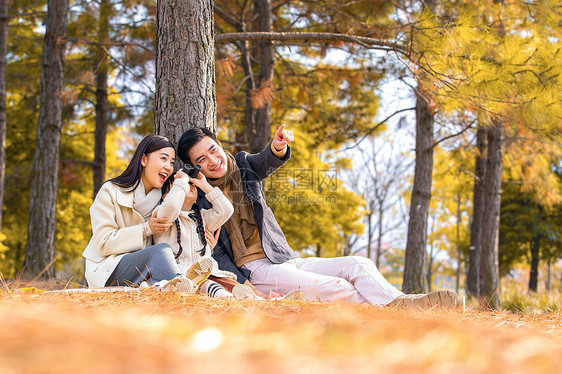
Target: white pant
x=351, y=278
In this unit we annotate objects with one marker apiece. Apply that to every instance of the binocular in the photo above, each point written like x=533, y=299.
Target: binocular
x=192, y=171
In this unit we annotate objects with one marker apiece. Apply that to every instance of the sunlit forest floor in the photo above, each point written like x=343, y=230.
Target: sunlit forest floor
x=151, y=331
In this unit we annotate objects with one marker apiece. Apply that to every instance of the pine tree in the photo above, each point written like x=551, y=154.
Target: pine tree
x=103, y=113
x=4, y=17
x=185, y=68
x=40, y=248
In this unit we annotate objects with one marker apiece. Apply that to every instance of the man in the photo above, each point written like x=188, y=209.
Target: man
x=252, y=245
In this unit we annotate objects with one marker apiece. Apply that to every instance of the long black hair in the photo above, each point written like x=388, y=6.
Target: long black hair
x=197, y=218
x=191, y=137
x=131, y=177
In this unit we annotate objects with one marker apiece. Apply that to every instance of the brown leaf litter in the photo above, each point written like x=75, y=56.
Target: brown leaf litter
x=153, y=332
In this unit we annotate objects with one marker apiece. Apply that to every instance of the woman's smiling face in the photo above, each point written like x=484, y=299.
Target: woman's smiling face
x=157, y=167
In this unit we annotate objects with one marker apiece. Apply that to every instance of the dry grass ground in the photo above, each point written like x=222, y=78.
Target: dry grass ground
x=158, y=332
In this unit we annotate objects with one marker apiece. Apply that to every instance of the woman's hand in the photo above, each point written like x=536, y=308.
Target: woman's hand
x=201, y=182
x=159, y=225
x=212, y=239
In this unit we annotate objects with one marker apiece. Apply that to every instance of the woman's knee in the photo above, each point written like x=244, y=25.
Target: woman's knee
x=161, y=250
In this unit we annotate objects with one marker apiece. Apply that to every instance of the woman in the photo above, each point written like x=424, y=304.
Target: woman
x=120, y=251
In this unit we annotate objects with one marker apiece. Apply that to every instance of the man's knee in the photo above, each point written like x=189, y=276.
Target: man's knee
x=362, y=260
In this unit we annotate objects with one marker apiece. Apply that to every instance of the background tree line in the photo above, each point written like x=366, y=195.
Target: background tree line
x=484, y=84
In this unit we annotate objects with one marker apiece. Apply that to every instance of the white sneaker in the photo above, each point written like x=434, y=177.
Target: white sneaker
x=179, y=284
x=200, y=271
x=441, y=298
x=294, y=295
x=243, y=292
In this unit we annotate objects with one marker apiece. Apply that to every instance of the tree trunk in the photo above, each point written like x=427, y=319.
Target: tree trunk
x=489, y=276
x=431, y=258
x=548, y=275
x=257, y=120
x=534, y=273
x=473, y=274
x=185, y=67
x=429, y=272
x=421, y=195
x=249, y=110
x=3, y=68
x=102, y=104
x=263, y=114
x=40, y=247
x=379, y=235
x=459, y=252
x=370, y=230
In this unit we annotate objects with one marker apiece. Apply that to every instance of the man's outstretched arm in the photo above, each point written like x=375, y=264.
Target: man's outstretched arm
x=274, y=155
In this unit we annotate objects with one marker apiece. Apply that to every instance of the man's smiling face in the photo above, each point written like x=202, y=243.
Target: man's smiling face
x=210, y=156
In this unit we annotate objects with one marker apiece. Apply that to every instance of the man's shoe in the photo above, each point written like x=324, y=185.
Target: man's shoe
x=179, y=284
x=200, y=271
x=441, y=298
x=294, y=295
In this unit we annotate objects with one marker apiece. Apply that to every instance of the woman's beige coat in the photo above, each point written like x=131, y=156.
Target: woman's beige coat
x=116, y=230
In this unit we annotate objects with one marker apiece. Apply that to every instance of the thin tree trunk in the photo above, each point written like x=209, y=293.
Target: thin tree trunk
x=429, y=272
x=185, y=67
x=431, y=256
x=548, y=275
x=249, y=130
x=414, y=266
x=249, y=110
x=379, y=236
x=370, y=230
x=3, y=69
x=534, y=272
x=102, y=104
x=40, y=247
x=473, y=274
x=263, y=114
x=489, y=276
x=258, y=119
x=459, y=253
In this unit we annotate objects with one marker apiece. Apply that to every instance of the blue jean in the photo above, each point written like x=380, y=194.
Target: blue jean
x=151, y=264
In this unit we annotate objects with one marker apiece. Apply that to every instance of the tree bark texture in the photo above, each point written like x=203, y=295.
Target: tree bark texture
x=489, y=269
x=429, y=272
x=414, y=281
x=473, y=274
x=534, y=273
x=102, y=103
x=185, y=67
x=3, y=69
x=40, y=247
